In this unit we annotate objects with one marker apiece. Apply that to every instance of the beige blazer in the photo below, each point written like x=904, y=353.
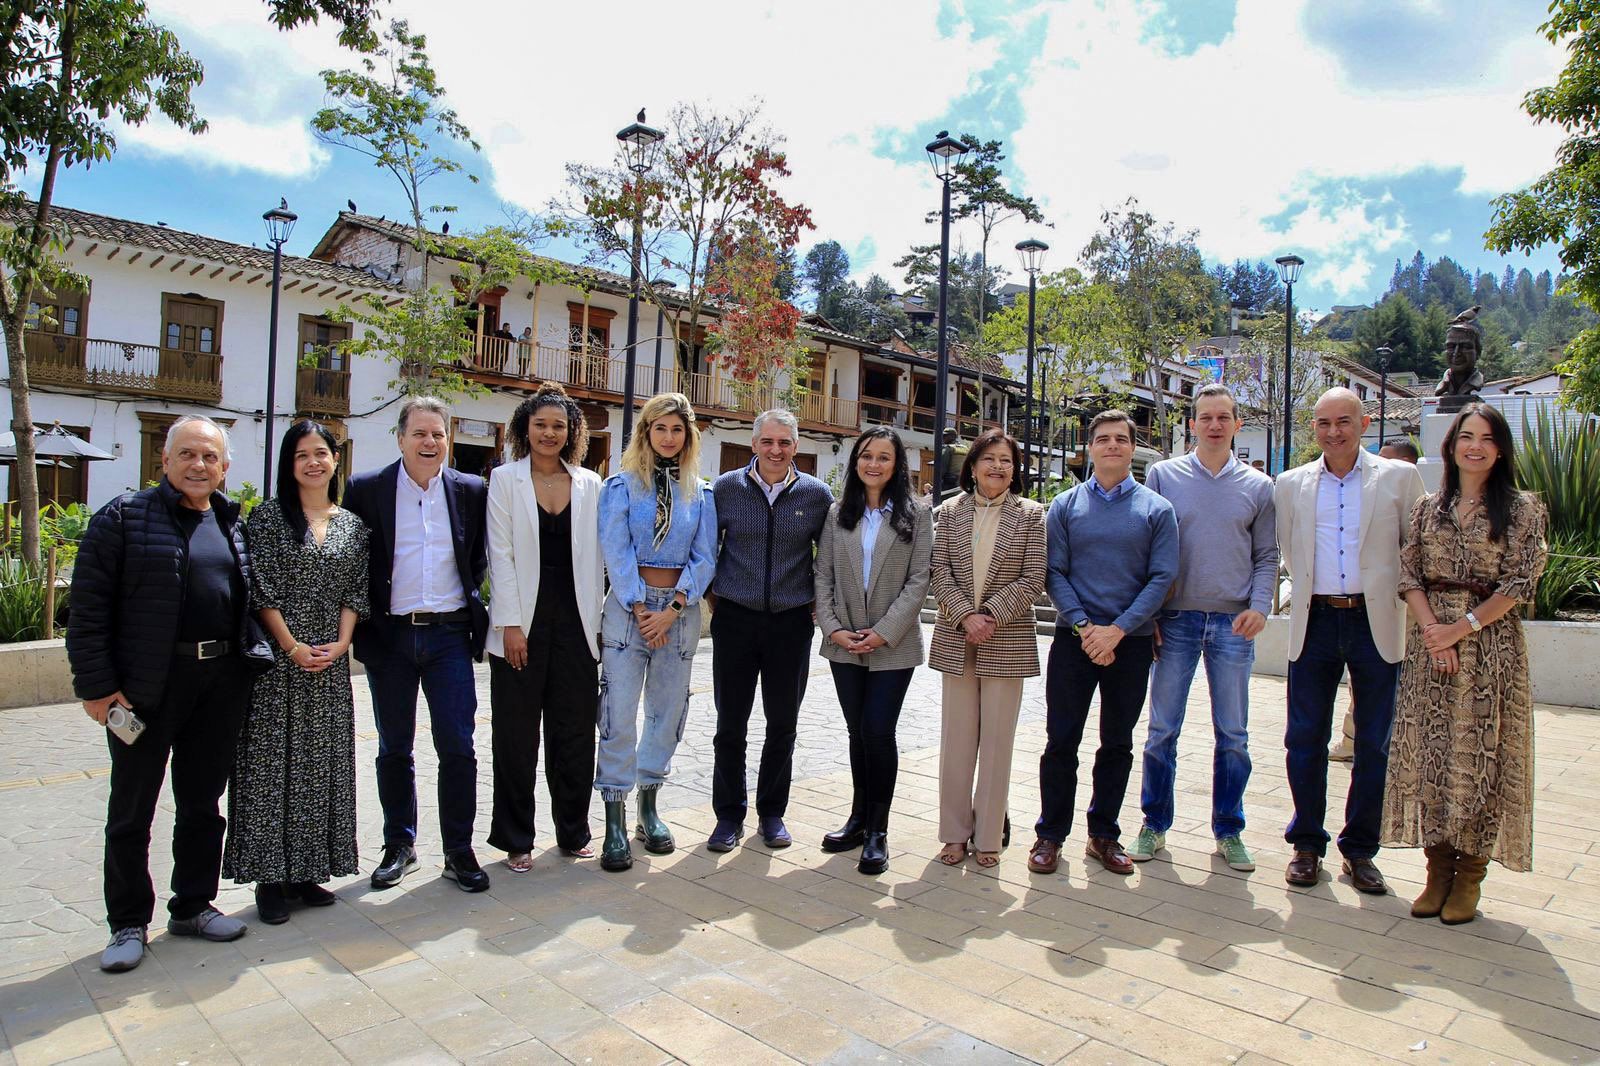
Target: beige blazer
x=1388, y=490
x=892, y=607
x=514, y=552
x=1014, y=582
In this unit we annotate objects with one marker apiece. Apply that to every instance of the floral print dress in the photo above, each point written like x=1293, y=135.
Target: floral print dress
x=292, y=798
x=1461, y=758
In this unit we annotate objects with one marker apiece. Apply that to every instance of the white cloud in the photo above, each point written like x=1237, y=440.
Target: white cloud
x=282, y=149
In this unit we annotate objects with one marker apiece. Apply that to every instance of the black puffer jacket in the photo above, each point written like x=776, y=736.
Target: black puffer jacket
x=127, y=595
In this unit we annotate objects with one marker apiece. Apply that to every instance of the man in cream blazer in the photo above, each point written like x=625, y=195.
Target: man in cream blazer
x=1341, y=520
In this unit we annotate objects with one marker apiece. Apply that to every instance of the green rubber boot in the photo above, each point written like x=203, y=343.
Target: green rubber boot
x=651, y=829
x=615, y=854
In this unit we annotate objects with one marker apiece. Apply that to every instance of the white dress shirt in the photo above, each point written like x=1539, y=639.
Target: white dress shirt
x=425, y=577
x=1227, y=467
x=871, y=521
x=1337, y=568
x=771, y=491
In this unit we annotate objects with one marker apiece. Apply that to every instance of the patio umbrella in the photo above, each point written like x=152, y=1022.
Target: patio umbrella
x=54, y=442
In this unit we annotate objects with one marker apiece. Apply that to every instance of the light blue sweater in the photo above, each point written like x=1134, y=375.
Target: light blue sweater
x=1111, y=562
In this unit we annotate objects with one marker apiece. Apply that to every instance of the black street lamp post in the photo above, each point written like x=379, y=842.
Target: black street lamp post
x=661, y=318
x=280, y=223
x=944, y=152
x=637, y=141
x=1384, y=354
x=1289, y=270
x=1032, y=252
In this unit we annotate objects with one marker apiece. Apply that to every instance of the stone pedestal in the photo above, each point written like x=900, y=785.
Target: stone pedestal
x=1430, y=466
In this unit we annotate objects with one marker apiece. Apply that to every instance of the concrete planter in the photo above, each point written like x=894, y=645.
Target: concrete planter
x=1564, y=659
x=34, y=672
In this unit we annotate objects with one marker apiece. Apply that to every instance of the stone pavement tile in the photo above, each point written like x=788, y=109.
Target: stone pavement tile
x=274, y=1032
x=536, y=1004
x=1231, y=987
x=415, y=989
x=396, y=1043
x=940, y=1045
x=331, y=998
x=726, y=997
x=807, y=1038
x=857, y=1010
x=608, y=1042
x=1099, y=1053
x=903, y=947
x=166, y=1032
x=472, y=961
x=1155, y=1037
x=1010, y=1019
x=47, y=1015
x=1376, y=1036
x=472, y=1030
x=1545, y=956
x=1481, y=1033
x=687, y=1033
x=599, y=982
x=804, y=945
x=1247, y=1030
x=872, y=898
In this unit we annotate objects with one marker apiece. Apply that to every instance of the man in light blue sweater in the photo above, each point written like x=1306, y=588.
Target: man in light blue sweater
x=1228, y=560
x=1113, y=556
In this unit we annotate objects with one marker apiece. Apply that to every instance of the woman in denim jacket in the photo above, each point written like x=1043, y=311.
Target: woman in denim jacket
x=658, y=529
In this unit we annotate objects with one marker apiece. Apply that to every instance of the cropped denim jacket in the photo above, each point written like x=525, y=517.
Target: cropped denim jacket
x=627, y=525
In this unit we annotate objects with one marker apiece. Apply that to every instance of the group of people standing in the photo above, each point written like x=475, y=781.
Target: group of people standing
x=232, y=636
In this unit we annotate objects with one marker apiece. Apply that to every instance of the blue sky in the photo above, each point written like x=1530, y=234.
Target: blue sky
x=1352, y=133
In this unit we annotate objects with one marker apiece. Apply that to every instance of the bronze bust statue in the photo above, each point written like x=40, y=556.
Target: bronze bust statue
x=1462, y=378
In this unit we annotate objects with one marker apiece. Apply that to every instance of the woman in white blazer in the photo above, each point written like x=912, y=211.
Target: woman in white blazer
x=547, y=584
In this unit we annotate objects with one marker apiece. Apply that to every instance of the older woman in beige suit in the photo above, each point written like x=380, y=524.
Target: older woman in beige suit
x=989, y=563
x=871, y=581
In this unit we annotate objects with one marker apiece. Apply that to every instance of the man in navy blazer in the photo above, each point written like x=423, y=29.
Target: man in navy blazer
x=428, y=623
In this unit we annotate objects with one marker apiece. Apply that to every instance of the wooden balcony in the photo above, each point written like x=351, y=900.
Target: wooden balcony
x=121, y=366
x=320, y=391
x=600, y=376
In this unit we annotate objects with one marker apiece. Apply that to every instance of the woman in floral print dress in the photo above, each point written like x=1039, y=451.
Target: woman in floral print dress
x=292, y=800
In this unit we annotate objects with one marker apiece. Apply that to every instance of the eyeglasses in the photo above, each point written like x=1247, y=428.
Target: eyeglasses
x=990, y=460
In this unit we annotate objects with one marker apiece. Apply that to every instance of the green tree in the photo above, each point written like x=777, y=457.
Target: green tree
x=72, y=69
x=355, y=18
x=1168, y=299
x=978, y=191
x=1256, y=374
x=823, y=273
x=1563, y=206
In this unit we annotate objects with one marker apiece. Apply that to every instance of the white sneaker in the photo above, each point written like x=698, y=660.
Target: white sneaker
x=1147, y=844
x=125, y=951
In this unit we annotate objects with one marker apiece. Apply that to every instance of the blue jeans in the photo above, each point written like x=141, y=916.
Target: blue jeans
x=1337, y=638
x=1186, y=636
x=439, y=659
x=629, y=668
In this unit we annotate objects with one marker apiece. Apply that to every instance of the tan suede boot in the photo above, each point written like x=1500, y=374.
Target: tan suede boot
x=1441, y=872
x=1462, y=904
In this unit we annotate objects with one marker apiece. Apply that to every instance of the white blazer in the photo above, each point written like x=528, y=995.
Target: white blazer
x=1389, y=488
x=514, y=552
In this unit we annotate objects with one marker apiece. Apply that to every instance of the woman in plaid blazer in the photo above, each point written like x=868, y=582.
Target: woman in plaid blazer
x=989, y=564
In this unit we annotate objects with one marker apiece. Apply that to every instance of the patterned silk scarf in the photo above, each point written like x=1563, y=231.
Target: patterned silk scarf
x=666, y=473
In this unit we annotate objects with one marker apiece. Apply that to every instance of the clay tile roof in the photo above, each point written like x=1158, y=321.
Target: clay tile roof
x=822, y=329
x=85, y=225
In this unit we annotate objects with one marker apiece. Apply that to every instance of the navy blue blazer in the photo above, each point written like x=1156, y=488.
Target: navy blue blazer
x=370, y=496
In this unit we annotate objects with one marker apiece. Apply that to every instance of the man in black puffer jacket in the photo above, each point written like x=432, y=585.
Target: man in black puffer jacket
x=158, y=624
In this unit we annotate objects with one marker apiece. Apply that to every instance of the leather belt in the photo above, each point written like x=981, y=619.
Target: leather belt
x=432, y=618
x=206, y=649
x=1343, y=603
x=1481, y=589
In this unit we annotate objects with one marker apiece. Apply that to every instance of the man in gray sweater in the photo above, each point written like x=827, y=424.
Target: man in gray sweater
x=1228, y=560
x=769, y=516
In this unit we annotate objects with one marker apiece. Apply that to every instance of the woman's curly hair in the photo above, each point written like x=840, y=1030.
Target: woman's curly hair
x=550, y=394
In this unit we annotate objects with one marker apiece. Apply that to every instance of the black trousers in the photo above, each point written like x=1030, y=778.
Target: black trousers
x=1070, y=683
x=773, y=649
x=197, y=723
x=560, y=686
x=871, y=703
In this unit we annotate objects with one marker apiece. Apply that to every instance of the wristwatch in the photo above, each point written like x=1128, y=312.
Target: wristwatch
x=676, y=605
x=1078, y=628
x=1472, y=620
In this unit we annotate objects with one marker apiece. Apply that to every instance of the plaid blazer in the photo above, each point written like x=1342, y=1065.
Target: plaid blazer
x=1014, y=582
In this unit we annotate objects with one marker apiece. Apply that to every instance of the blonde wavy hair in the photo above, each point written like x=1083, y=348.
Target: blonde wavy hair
x=640, y=457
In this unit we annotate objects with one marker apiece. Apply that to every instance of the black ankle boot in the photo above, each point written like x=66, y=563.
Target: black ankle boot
x=615, y=854
x=271, y=903
x=875, y=845
x=651, y=829
x=849, y=835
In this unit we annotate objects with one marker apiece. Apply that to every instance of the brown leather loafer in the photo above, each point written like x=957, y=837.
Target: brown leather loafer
x=1044, y=856
x=1303, y=869
x=1365, y=876
x=1109, y=854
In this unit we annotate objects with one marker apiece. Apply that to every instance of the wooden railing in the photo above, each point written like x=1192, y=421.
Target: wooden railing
x=320, y=391
x=121, y=366
x=876, y=411
x=599, y=372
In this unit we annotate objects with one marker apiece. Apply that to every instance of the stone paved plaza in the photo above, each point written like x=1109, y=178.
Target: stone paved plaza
x=760, y=956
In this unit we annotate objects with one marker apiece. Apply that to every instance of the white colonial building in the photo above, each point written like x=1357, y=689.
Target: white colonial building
x=174, y=322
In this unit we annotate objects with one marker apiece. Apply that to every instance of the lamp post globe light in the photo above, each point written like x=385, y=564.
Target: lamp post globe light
x=944, y=152
x=1289, y=271
x=1384, y=354
x=280, y=223
x=638, y=144
x=1032, y=253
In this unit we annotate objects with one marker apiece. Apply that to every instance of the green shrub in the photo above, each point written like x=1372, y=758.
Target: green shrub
x=22, y=600
x=1571, y=578
x=1560, y=463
